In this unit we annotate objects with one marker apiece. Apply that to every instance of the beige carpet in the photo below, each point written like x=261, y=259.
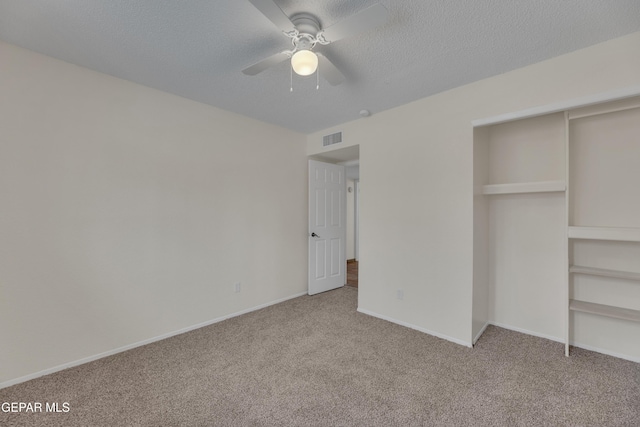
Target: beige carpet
x=316, y=361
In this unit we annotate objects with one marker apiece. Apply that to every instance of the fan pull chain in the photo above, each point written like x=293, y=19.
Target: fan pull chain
x=318, y=77
x=291, y=89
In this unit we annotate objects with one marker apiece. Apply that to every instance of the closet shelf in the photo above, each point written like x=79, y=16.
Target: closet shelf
x=524, y=187
x=605, y=310
x=604, y=272
x=605, y=233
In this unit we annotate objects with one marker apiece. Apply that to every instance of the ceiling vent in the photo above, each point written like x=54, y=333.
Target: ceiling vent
x=334, y=138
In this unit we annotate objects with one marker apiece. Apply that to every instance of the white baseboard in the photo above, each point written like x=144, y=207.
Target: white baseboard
x=417, y=328
x=141, y=343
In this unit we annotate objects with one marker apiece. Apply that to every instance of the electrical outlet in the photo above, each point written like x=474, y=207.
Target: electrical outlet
x=400, y=294
x=237, y=287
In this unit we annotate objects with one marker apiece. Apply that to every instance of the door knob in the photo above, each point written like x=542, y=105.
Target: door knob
x=314, y=235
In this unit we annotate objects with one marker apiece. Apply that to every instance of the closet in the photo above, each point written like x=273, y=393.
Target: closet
x=557, y=226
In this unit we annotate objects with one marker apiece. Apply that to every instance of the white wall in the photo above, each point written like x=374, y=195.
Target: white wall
x=128, y=213
x=417, y=160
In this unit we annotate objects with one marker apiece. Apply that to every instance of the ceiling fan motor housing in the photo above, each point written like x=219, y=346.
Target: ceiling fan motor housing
x=304, y=37
x=306, y=23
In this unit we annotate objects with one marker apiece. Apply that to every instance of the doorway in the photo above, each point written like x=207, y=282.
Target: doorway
x=349, y=157
x=353, y=186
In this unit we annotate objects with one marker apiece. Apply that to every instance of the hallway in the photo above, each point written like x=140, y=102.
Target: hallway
x=352, y=273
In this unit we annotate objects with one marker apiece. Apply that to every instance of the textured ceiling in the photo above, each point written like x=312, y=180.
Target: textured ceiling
x=197, y=48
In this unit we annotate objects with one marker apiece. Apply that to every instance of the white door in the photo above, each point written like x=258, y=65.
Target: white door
x=327, y=227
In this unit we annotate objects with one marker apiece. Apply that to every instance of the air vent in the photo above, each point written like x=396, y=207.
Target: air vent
x=334, y=138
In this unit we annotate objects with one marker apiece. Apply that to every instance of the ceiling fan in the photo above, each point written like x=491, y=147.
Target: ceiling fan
x=305, y=33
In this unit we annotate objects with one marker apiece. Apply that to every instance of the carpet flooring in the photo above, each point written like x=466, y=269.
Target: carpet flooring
x=315, y=361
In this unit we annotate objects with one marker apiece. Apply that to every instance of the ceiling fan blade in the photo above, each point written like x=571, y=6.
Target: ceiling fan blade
x=274, y=14
x=362, y=21
x=266, y=63
x=329, y=71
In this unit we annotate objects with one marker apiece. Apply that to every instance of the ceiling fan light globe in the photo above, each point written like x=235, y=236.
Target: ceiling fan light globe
x=304, y=62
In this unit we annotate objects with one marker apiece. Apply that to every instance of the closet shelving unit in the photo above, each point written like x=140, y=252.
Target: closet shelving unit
x=618, y=201
x=600, y=197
